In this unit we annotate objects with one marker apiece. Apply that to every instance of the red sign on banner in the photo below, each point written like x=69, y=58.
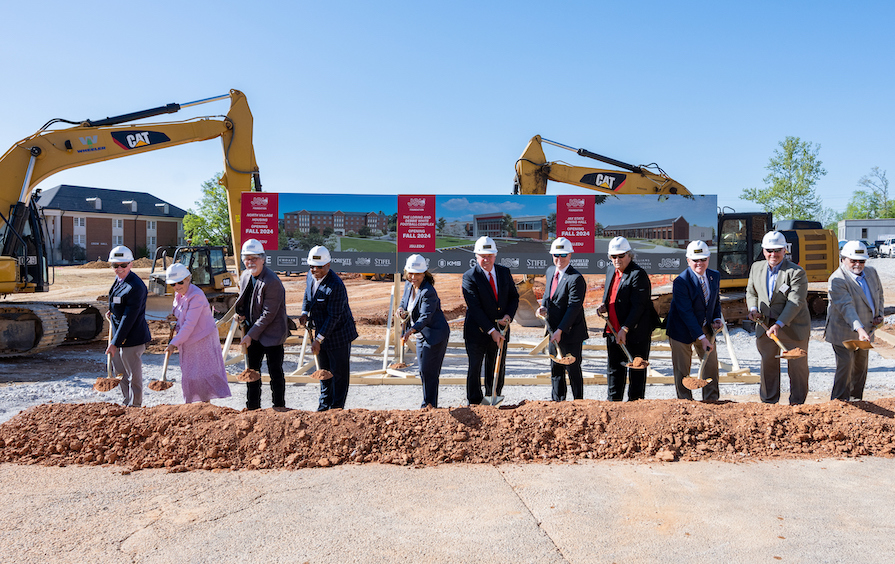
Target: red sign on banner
x=260, y=218
x=416, y=224
x=575, y=221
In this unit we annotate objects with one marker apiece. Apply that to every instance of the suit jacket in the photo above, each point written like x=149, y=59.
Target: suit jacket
x=127, y=306
x=565, y=309
x=789, y=304
x=425, y=312
x=329, y=311
x=849, y=306
x=633, y=303
x=689, y=312
x=482, y=309
x=262, y=301
x=194, y=318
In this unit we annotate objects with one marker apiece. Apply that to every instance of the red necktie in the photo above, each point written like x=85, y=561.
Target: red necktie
x=493, y=285
x=555, y=283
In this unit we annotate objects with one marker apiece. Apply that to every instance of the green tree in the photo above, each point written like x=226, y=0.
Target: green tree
x=508, y=226
x=439, y=225
x=877, y=186
x=212, y=220
x=794, y=169
x=551, y=222
x=862, y=205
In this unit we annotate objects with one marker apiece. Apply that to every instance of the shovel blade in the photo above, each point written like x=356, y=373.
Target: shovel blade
x=694, y=383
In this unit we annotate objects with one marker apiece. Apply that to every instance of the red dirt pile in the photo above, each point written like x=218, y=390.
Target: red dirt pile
x=204, y=436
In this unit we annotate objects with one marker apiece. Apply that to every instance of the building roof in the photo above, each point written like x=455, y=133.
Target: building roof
x=645, y=224
x=74, y=198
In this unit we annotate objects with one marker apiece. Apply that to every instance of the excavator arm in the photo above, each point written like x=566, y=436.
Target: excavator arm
x=47, y=152
x=533, y=171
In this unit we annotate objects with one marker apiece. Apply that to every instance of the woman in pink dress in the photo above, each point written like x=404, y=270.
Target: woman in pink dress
x=201, y=362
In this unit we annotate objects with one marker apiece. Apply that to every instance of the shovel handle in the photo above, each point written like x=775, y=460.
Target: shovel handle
x=614, y=334
x=165, y=366
x=772, y=336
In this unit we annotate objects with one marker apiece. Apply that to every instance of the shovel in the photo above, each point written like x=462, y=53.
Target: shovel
x=697, y=383
x=249, y=374
x=318, y=374
x=108, y=383
x=163, y=384
x=635, y=363
x=496, y=399
x=855, y=344
x=401, y=364
x=561, y=358
x=784, y=352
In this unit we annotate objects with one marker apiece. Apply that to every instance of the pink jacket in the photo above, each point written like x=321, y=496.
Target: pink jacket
x=194, y=318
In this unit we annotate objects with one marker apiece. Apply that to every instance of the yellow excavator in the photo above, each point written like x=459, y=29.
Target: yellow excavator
x=30, y=327
x=739, y=234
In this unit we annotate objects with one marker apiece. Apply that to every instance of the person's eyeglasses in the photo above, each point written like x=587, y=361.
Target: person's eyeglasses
x=615, y=257
x=700, y=260
x=251, y=258
x=318, y=267
x=563, y=255
x=181, y=283
x=117, y=266
x=856, y=261
x=773, y=250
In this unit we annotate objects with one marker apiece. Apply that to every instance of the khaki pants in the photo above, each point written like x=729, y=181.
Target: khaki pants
x=129, y=365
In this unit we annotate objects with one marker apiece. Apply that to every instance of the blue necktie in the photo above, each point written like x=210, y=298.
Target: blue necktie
x=863, y=283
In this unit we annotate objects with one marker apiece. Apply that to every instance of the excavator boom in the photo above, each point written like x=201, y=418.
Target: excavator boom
x=533, y=171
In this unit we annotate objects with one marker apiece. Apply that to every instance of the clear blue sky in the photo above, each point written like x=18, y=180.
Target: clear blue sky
x=420, y=97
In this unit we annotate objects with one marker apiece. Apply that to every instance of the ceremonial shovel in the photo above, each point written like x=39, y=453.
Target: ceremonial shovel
x=784, y=352
x=696, y=383
x=631, y=361
x=561, y=359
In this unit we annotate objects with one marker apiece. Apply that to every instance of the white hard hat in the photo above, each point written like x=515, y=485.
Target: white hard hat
x=319, y=256
x=176, y=272
x=773, y=240
x=698, y=250
x=485, y=246
x=855, y=250
x=121, y=254
x=252, y=247
x=561, y=246
x=416, y=264
x=619, y=245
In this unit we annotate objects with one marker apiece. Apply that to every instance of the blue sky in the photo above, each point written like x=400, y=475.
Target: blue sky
x=414, y=97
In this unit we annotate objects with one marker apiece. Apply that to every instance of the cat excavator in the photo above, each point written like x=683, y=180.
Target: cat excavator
x=739, y=234
x=31, y=327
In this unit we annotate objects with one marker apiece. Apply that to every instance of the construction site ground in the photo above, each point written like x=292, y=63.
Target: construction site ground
x=84, y=479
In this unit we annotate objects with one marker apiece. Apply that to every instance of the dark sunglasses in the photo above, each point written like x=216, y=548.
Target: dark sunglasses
x=181, y=283
x=117, y=266
x=617, y=256
x=773, y=250
x=563, y=255
x=700, y=260
x=857, y=261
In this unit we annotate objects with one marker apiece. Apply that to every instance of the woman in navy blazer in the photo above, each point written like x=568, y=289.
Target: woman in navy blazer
x=421, y=304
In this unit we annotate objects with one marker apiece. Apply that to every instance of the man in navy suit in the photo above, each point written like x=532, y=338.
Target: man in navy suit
x=694, y=314
x=130, y=332
x=563, y=306
x=627, y=300
x=326, y=307
x=491, y=303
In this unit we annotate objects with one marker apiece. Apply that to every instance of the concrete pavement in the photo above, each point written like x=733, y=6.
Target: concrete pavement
x=789, y=511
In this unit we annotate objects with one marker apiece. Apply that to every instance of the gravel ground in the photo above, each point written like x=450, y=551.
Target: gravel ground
x=78, y=387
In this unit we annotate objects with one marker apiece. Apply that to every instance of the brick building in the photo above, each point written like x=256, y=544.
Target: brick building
x=96, y=219
x=340, y=222
x=674, y=229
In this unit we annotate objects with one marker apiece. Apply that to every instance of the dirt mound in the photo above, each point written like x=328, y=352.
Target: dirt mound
x=204, y=436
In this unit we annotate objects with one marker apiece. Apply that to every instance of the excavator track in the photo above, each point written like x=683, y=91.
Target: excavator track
x=27, y=329
x=30, y=328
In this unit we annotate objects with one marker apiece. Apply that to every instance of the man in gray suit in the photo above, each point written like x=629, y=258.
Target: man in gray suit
x=777, y=294
x=856, y=307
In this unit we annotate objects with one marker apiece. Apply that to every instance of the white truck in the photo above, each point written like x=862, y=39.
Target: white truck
x=887, y=246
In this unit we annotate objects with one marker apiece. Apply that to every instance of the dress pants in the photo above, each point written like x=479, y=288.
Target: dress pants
x=681, y=357
x=797, y=368
x=334, y=391
x=558, y=371
x=851, y=373
x=483, y=352
x=617, y=371
x=129, y=364
x=254, y=355
x=430, y=359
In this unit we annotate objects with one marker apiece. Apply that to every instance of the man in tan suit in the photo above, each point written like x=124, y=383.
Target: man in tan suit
x=856, y=307
x=777, y=295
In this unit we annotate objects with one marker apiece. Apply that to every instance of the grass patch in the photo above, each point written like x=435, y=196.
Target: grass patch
x=368, y=245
